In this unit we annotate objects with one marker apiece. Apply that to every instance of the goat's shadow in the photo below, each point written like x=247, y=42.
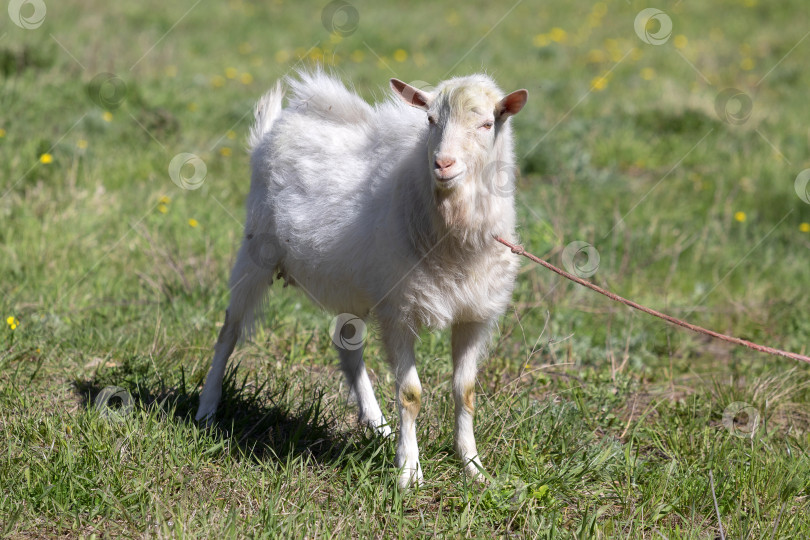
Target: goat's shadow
x=263, y=423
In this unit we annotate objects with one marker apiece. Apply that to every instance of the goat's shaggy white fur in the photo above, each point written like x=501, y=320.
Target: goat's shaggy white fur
x=385, y=210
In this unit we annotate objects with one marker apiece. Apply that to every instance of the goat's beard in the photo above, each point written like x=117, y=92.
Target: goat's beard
x=455, y=207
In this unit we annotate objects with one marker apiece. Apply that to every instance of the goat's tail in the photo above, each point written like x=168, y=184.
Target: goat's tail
x=267, y=110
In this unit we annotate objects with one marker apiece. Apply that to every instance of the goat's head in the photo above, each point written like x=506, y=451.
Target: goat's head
x=466, y=116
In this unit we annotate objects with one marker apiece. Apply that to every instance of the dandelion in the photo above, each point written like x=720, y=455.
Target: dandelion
x=680, y=41
x=12, y=322
x=599, y=83
x=558, y=35
x=231, y=72
x=804, y=227
x=2, y=133
x=596, y=56
x=316, y=54
x=193, y=222
x=740, y=217
x=46, y=158
x=747, y=64
x=225, y=151
x=541, y=40
x=335, y=38
x=246, y=78
x=231, y=134
x=648, y=74
x=599, y=9
x=400, y=55
x=81, y=144
x=107, y=116
x=162, y=208
x=281, y=56
x=164, y=199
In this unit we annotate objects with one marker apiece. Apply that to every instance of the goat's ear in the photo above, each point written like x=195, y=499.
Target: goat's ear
x=410, y=95
x=511, y=104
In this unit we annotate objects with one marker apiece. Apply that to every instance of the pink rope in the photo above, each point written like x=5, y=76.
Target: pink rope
x=731, y=339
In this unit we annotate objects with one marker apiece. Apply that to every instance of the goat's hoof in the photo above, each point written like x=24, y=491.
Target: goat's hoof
x=475, y=472
x=410, y=477
x=205, y=415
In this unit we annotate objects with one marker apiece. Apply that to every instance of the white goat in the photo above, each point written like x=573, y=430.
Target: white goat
x=386, y=210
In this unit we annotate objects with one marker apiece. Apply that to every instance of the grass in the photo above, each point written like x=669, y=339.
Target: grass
x=594, y=421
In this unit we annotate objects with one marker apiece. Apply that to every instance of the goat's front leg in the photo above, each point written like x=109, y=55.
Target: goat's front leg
x=399, y=341
x=469, y=343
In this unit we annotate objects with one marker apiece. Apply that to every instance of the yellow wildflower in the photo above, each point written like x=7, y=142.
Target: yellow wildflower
x=225, y=151
x=164, y=199
x=231, y=72
x=12, y=322
x=740, y=216
x=46, y=158
x=541, y=40
x=599, y=83
x=804, y=227
x=680, y=41
x=558, y=35
x=400, y=55
x=282, y=56
x=81, y=144
x=193, y=222
x=107, y=116
x=246, y=78
x=2, y=133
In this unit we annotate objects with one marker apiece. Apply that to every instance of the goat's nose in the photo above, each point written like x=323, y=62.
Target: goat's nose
x=444, y=163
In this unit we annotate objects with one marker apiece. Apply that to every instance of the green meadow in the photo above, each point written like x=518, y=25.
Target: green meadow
x=661, y=155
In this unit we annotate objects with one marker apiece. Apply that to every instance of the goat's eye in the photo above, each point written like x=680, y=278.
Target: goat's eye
x=431, y=119
x=487, y=125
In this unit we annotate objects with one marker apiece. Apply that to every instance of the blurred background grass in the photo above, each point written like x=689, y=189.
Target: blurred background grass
x=112, y=274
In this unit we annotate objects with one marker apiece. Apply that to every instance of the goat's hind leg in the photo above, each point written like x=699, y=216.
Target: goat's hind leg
x=250, y=277
x=368, y=410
